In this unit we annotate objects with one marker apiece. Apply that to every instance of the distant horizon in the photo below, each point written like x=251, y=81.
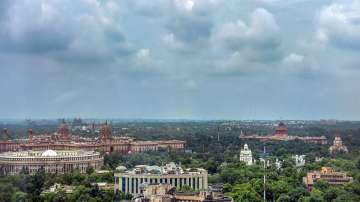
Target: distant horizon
x=168, y=119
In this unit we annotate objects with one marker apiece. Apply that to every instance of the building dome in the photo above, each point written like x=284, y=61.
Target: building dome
x=58, y=161
x=281, y=130
x=49, y=153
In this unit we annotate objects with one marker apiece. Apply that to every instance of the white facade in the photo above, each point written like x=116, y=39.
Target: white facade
x=246, y=155
x=278, y=164
x=132, y=181
x=59, y=161
x=299, y=160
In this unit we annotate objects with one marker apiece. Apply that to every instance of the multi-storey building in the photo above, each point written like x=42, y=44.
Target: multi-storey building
x=328, y=174
x=281, y=134
x=246, y=155
x=167, y=193
x=51, y=161
x=64, y=140
x=338, y=146
x=131, y=181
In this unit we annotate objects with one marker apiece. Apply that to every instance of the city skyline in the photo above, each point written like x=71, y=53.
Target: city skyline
x=173, y=59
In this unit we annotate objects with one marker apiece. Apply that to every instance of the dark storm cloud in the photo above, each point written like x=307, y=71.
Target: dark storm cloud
x=34, y=41
x=24, y=31
x=83, y=33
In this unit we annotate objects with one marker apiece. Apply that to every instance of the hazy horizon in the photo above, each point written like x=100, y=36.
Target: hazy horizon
x=67, y=119
x=180, y=59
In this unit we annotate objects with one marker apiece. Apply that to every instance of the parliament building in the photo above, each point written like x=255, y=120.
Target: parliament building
x=12, y=163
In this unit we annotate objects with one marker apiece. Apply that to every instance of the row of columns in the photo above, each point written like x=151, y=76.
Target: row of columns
x=132, y=184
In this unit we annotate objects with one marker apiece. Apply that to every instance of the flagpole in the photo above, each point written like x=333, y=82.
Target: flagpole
x=264, y=174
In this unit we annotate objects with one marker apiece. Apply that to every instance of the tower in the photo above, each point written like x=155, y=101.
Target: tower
x=30, y=134
x=5, y=134
x=281, y=130
x=105, y=132
x=246, y=155
x=64, y=131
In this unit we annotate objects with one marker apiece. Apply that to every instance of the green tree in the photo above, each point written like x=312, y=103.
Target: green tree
x=321, y=185
x=211, y=166
x=284, y=198
x=245, y=192
x=316, y=196
x=59, y=196
x=89, y=170
x=330, y=194
x=35, y=183
x=297, y=193
x=77, y=177
x=6, y=191
x=280, y=187
x=19, y=197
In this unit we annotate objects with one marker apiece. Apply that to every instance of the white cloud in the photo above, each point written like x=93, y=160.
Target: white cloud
x=185, y=4
x=293, y=58
x=261, y=32
x=299, y=65
x=142, y=56
x=173, y=43
x=339, y=25
x=253, y=45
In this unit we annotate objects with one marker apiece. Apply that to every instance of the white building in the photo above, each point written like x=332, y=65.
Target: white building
x=246, y=155
x=52, y=161
x=299, y=160
x=132, y=181
x=278, y=164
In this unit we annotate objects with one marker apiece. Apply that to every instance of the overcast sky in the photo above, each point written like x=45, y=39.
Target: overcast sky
x=193, y=59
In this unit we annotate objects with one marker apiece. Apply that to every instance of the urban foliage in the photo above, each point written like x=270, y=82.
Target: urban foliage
x=26, y=187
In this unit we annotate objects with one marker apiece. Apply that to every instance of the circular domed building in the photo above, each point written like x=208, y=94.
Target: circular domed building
x=60, y=161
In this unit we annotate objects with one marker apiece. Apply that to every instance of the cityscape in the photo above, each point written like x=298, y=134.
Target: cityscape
x=179, y=101
x=222, y=160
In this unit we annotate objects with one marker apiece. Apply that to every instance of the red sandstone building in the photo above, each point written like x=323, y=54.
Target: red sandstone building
x=64, y=140
x=281, y=134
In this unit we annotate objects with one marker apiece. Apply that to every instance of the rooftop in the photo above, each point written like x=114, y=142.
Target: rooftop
x=168, y=169
x=48, y=153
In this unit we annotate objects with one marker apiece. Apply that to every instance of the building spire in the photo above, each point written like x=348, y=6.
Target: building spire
x=105, y=132
x=30, y=134
x=5, y=134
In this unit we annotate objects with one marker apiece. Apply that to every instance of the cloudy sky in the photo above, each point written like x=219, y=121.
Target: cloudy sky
x=193, y=59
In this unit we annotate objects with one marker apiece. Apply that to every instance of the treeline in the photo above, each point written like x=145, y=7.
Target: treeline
x=32, y=188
